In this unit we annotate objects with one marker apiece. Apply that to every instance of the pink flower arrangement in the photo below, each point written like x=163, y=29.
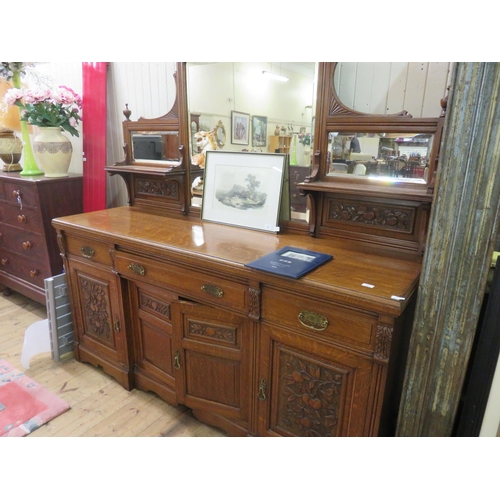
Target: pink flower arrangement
x=47, y=108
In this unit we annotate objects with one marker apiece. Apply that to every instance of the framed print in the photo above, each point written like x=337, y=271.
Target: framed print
x=259, y=131
x=240, y=128
x=243, y=189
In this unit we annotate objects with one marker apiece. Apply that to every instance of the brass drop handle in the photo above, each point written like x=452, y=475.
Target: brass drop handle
x=87, y=252
x=177, y=360
x=213, y=290
x=313, y=320
x=116, y=325
x=21, y=218
x=262, y=389
x=137, y=269
x=4, y=262
x=26, y=245
x=34, y=273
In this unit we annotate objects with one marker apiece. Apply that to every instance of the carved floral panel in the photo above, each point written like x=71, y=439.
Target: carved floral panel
x=154, y=305
x=96, y=309
x=211, y=331
x=310, y=396
x=167, y=189
x=380, y=216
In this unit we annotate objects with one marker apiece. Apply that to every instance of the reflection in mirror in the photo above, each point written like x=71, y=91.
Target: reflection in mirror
x=155, y=146
x=215, y=90
x=384, y=156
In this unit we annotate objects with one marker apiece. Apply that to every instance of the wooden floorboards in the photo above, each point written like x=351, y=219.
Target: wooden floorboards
x=99, y=405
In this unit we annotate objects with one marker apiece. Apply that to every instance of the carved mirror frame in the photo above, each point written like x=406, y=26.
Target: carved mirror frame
x=334, y=116
x=359, y=207
x=159, y=184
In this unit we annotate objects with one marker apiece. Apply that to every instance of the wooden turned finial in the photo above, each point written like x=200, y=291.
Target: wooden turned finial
x=127, y=112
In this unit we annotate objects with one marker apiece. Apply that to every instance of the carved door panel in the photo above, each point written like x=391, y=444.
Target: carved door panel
x=213, y=350
x=150, y=308
x=307, y=388
x=100, y=336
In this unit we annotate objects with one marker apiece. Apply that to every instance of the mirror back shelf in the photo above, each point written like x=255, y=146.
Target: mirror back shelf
x=373, y=175
x=155, y=167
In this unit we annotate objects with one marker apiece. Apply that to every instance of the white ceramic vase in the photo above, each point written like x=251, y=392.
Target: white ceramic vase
x=52, y=150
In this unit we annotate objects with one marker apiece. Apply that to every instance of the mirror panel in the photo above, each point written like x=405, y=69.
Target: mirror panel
x=155, y=146
x=278, y=114
x=384, y=156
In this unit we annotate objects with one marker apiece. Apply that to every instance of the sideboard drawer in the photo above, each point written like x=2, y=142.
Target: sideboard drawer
x=204, y=287
x=314, y=316
x=93, y=250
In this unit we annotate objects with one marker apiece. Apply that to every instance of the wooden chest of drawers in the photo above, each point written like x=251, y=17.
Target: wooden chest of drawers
x=167, y=305
x=28, y=246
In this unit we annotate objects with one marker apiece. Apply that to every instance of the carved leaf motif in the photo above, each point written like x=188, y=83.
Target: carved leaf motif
x=309, y=397
x=383, y=341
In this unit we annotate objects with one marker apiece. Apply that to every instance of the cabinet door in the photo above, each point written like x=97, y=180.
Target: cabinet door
x=213, y=350
x=100, y=336
x=307, y=388
x=150, y=308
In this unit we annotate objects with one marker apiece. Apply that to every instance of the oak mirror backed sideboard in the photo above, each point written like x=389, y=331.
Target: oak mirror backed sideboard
x=164, y=301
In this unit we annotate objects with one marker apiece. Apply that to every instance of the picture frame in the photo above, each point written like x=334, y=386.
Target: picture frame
x=243, y=189
x=259, y=131
x=240, y=128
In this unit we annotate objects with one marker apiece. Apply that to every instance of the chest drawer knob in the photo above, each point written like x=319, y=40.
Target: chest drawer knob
x=313, y=320
x=137, y=269
x=34, y=273
x=213, y=290
x=26, y=245
x=4, y=262
x=21, y=218
x=87, y=252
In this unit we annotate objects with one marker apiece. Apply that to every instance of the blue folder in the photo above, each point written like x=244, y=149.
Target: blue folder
x=290, y=261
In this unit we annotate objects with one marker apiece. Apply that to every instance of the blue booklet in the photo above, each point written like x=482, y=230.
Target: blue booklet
x=290, y=261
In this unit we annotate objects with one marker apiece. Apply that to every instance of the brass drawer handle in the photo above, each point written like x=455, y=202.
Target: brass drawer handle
x=26, y=245
x=87, y=252
x=177, y=360
x=214, y=290
x=262, y=389
x=34, y=273
x=4, y=262
x=313, y=320
x=137, y=269
x=21, y=218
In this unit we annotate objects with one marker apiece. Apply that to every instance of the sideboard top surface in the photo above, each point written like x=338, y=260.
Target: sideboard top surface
x=220, y=247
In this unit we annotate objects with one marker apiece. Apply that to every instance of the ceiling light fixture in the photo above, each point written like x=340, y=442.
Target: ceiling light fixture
x=274, y=76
